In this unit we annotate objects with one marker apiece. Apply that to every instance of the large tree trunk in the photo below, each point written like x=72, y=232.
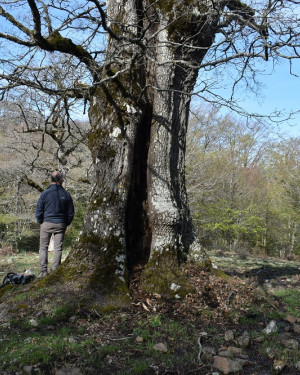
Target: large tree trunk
x=138, y=212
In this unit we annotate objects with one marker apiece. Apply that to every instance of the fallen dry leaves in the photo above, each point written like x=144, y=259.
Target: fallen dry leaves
x=215, y=297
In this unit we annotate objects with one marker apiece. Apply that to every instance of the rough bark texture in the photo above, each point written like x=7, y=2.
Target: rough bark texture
x=138, y=211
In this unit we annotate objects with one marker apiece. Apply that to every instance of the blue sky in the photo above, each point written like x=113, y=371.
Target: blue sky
x=280, y=91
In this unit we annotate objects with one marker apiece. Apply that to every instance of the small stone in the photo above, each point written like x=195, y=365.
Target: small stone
x=28, y=369
x=268, y=285
x=244, y=340
x=226, y=365
x=160, y=347
x=225, y=353
x=72, y=319
x=139, y=339
x=40, y=313
x=68, y=371
x=208, y=354
x=243, y=356
x=91, y=371
x=229, y=336
x=282, y=338
x=278, y=366
x=259, y=339
x=243, y=361
x=271, y=328
x=285, y=335
x=291, y=344
x=287, y=329
x=296, y=328
x=33, y=322
x=72, y=340
x=270, y=352
x=234, y=350
x=291, y=319
x=231, y=352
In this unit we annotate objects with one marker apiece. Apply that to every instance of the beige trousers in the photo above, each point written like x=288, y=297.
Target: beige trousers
x=46, y=230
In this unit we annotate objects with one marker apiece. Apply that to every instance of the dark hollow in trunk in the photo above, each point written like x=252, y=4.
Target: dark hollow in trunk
x=138, y=230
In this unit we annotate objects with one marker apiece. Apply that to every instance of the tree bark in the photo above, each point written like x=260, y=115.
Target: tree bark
x=138, y=212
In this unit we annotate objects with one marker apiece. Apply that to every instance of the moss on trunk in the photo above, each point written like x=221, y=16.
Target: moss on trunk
x=164, y=276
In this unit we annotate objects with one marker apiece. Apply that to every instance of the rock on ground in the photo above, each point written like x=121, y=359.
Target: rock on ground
x=226, y=365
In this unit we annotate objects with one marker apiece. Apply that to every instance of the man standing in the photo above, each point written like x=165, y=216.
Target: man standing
x=54, y=211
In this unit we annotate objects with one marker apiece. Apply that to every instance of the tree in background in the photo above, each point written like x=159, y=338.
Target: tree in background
x=226, y=179
x=32, y=146
x=243, y=184
x=139, y=86
x=283, y=216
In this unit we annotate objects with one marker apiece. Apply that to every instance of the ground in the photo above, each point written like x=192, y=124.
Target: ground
x=42, y=338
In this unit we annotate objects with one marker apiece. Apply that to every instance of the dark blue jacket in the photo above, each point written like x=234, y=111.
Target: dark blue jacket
x=55, y=205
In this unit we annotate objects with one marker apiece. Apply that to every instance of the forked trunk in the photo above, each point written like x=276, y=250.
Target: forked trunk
x=138, y=212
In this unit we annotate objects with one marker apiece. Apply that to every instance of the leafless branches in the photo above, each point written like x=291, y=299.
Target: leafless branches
x=35, y=32
x=243, y=33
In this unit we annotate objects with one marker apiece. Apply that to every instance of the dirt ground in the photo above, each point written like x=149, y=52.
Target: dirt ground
x=107, y=343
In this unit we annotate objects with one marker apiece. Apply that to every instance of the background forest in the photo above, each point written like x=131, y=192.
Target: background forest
x=243, y=178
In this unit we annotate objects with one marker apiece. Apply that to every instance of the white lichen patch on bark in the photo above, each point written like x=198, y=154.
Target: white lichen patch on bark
x=196, y=253
x=116, y=131
x=120, y=261
x=120, y=258
x=159, y=240
x=130, y=109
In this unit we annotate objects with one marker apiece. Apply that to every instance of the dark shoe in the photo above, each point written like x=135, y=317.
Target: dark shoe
x=42, y=274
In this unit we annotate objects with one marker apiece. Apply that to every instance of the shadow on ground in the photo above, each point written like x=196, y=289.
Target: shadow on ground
x=267, y=272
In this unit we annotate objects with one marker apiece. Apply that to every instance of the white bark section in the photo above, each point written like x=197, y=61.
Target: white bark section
x=163, y=209
x=123, y=10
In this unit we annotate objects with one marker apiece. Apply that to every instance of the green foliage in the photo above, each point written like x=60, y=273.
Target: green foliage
x=72, y=232
x=29, y=241
x=8, y=219
x=244, y=186
x=242, y=224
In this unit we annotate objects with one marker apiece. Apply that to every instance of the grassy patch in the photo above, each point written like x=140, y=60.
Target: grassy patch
x=19, y=262
x=107, y=341
x=55, y=341
x=290, y=298
x=60, y=314
x=31, y=348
